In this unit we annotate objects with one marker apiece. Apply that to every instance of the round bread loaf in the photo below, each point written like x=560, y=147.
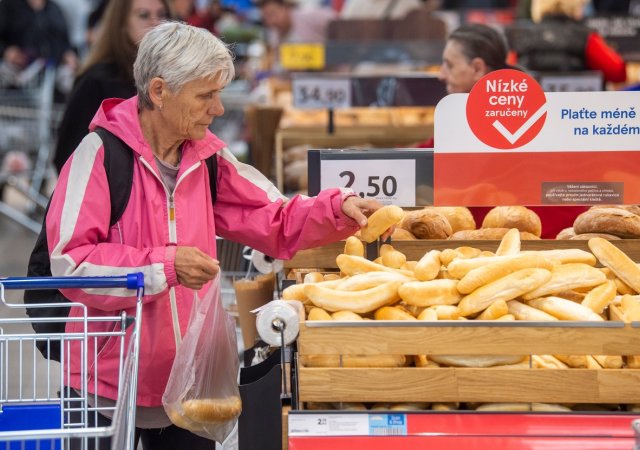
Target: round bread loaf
x=616, y=221
x=459, y=217
x=427, y=223
x=489, y=234
x=566, y=233
x=400, y=234
x=518, y=217
x=634, y=209
x=587, y=236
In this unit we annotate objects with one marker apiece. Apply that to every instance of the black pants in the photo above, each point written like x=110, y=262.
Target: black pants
x=169, y=438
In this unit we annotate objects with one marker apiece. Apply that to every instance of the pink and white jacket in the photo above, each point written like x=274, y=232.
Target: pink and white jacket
x=249, y=209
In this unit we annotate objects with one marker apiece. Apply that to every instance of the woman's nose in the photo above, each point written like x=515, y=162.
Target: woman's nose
x=216, y=108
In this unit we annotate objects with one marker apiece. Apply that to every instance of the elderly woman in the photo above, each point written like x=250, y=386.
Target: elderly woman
x=168, y=228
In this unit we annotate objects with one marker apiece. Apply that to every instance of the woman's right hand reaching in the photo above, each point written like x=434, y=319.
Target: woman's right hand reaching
x=195, y=268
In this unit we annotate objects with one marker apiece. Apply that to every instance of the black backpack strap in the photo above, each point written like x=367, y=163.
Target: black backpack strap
x=212, y=165
x=118, y=164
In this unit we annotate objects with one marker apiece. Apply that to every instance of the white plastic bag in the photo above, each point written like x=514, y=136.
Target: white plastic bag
x=202, y=394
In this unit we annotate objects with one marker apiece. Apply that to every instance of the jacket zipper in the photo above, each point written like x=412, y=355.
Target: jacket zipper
x=173, y=239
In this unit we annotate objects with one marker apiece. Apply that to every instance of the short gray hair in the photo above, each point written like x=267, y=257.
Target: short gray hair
x=179, y=53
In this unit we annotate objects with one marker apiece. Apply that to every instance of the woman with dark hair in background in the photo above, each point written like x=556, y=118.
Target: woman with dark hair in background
x=471, y=52
x=108, y=69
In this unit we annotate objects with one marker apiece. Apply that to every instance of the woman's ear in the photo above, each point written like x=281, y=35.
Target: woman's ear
x=157, y=91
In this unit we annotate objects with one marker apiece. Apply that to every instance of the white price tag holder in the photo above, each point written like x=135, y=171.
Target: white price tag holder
x=402, y=177
x=319, y=93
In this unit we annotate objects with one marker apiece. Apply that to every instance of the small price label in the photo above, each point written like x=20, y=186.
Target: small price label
x=328, y=425
x=390, y=181
x=302, y=56
x=317, y=93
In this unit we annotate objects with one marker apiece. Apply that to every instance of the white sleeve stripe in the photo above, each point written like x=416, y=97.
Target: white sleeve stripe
x=62, y=264
x=253, y=175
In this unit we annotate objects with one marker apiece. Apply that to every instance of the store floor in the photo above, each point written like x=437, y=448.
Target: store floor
x=16, y=244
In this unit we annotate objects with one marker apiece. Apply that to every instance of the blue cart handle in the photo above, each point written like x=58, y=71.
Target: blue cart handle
x=129, y=281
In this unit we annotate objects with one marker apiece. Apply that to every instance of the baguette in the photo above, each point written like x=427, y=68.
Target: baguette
x=212, y=410
x=492, y=271
x=575, y=361
x=450, y=254
x=599, y=297
x=353, y=246
x=429, y=293
x=452, y=406
x=368, y=280
x=346, y=316
x=429, y=315
x=428, y=266
x=609, y=361
x=380, y=221
x=458, y=268
x=565, y=309
x=494, y=311
x=357, y=301
x=392, y=257
x=616, y=260
x=565, y=277
x=424, y=361
x=631, y=307
x=410, y=266
x=409, y=406
x=525, y=312
x=510, y=243
x=318, y=314
x=505, y=288
x=444, y=312
x=566, y=256
x=392, y=313
x=592, y=363
x=349, y=406
x=547, y=362
x=506, y=317
x=353, y=265
x=331, y=277
x=621, y=286
x=313, y=277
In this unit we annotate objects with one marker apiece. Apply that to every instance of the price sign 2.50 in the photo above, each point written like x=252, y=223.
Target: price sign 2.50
x=387, y=186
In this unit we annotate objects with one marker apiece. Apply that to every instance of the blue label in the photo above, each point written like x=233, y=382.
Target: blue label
x=387, y=424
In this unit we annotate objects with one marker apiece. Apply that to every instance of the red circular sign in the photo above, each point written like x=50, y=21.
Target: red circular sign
x=506, y=109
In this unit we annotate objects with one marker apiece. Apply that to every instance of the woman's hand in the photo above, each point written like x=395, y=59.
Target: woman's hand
x=359, y=209
x=194, y=268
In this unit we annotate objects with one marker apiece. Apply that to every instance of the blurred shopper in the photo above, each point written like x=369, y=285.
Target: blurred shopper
x=31, y=30
x=287, y=22
x=471, y=52
x=108, y=69
x=168, y=228
x=378, y=9
x=559, y=42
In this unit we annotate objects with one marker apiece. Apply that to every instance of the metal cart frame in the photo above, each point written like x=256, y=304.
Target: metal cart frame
x=15, y=345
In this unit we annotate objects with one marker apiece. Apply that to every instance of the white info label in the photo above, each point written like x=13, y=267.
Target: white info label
x=328, y=425
x=390, y=181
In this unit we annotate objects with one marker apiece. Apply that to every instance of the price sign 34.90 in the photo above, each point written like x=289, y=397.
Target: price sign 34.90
x=318, y=93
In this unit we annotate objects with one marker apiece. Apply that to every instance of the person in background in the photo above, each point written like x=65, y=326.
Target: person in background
x=286, y=22
x=559, y=42
x=168, y=229
x=107, y=71
x=471, y=52
x=378, y=9
x=31, y=30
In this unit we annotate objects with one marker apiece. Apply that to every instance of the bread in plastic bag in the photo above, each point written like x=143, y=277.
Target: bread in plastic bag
x=202, y=393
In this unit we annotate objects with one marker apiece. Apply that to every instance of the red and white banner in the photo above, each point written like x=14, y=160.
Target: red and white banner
x=508, y=142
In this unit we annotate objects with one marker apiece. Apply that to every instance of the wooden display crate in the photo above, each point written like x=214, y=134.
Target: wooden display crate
x=377, y=136
x=447, y=384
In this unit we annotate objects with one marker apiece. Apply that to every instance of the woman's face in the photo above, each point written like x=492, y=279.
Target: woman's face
x=457, y=71
x=191, y=110
x=144, y=15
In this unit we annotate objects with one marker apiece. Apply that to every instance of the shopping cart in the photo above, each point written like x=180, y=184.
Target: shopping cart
x=28, y=120
x=37, y=408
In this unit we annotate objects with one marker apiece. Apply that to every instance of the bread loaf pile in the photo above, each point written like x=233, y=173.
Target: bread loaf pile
x=611, y=222
x=457, y=223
